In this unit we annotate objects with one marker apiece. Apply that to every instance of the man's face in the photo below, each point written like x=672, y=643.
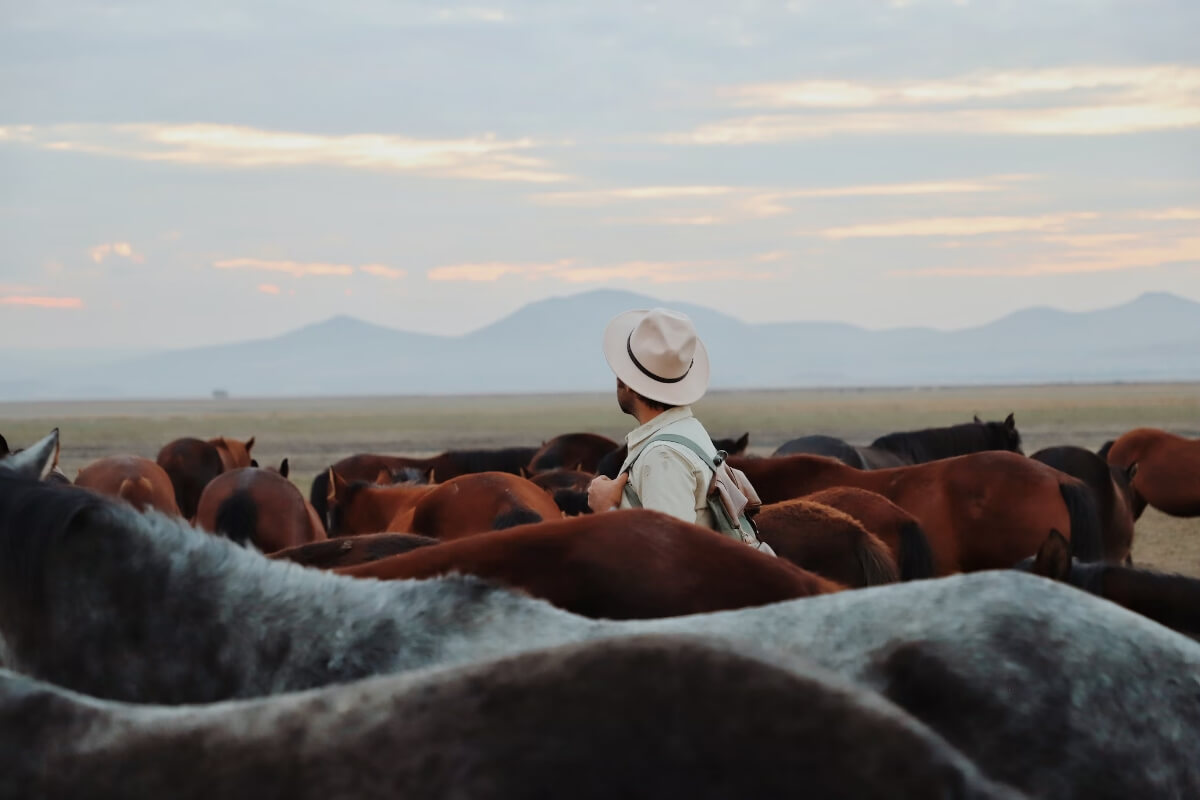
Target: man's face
x=624, y=397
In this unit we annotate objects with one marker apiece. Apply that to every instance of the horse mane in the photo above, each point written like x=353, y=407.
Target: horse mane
x=1167, y=598
x=932, y=444
x=507, y=459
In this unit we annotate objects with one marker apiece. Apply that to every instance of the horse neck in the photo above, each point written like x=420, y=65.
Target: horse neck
x=1170, y=600
x=387, y=502
x=936, y=443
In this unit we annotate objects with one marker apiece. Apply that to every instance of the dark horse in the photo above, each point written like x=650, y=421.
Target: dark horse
x=1170, y=600
x=1111, y=487
x=912, y=447
x=442, y=467
x=192, y=463
x=610, y=465
x=578, y=451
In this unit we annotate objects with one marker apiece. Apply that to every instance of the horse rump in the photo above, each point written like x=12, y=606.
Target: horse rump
x=237, y=518
x=1086, y=534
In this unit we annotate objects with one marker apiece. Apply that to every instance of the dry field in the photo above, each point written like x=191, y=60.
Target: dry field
x=313, y=432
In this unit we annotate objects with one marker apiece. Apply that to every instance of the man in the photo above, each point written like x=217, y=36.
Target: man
x=661, y=368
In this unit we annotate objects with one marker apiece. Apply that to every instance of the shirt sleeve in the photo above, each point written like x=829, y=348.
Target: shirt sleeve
x=665, y=481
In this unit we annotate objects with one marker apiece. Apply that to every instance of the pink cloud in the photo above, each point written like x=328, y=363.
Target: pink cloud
x=268, y=288
x=571, y=271
x=41, y=302
x=125, y=250
x=297, y=269
x=382, y=271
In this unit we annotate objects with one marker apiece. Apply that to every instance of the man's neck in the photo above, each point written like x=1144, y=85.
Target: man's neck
x=644, y=414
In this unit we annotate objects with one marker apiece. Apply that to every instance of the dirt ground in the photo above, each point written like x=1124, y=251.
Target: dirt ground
x=313, y=432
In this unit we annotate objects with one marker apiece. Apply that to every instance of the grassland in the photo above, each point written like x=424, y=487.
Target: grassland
x=312, y=432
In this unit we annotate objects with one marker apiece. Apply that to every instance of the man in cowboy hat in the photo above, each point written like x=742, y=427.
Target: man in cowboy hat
x=661, y=368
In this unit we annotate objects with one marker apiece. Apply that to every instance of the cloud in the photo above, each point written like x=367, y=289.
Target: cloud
x=297, y=269
x=471, y=14
x=1103, y=257
x=268, y=288
x=41, y=302
x=955, y=226
x=125, y=250
x=1070, y=101
x=485, y=157
x=382, y=271
x=571, y=271
x=1170, y=215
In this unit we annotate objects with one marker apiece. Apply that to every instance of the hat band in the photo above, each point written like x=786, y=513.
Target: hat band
x=648, y=373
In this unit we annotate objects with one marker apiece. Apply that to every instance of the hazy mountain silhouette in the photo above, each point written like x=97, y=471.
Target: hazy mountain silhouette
x=554, y=345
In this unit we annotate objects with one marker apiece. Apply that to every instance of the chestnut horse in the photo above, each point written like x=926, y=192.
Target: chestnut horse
x=980, y=511
x=913, y=447
x=611, y=464
x=1109, y=484
x=898, y=529
x=1170, y=600
x=823, y=540
x=442, y=467
x=260, y=507
x=136, y=480
x=578, y=451
x=346, y=551
x=192, y=463
x=631, y=564
x=1168, y=470
x=468, y=504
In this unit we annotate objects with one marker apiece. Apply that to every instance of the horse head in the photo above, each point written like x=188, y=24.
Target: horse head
x=34, y=462
x=1003, y=435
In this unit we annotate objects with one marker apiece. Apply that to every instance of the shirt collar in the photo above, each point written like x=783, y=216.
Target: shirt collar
x=643, y=432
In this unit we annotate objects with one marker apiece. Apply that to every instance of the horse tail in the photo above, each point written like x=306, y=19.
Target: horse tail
x=318, y=496
x=916, y=557
x=1087, y=542
x=514, y=517
x=1104, y=448
x=572, y=502
x=877, y=562
x=237, y=518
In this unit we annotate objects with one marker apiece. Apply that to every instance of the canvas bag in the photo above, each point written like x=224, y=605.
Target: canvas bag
x=732, y=501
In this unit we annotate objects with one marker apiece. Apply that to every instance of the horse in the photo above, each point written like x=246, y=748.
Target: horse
x=611, y=464
x=1110, y=485
x=138, y=481
x=632, y=564
x=1169, y=600
x=980, y=511
x=823, y=540
x=442, y=467
x=1168, y=470
x=898, y=529
x=465, y=505
x=568, y=487
x=346, y=551
x=591, y=721
x=913, y=447
x=258, y=507
x=1109, y=705
x=578, y=451
x=192, y=463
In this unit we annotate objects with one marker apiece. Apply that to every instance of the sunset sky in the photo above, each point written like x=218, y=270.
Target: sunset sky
x=181, y=173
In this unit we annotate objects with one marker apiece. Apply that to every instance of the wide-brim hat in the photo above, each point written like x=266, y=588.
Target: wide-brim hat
x=658, y=354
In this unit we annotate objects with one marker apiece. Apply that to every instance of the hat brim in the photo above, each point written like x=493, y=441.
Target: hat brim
x=616, y=352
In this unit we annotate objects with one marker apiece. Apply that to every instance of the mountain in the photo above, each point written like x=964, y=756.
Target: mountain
x=554, y=345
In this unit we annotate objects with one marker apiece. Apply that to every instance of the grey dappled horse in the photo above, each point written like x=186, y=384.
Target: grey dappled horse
x=1043, y=687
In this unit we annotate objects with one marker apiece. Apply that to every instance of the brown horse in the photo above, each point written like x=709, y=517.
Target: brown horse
x=980, y=511
x=610, y=465
x=617, y=565
x=136, y=480
x=192, y=463
x=1109, y=484
x=1168, y=470
x=898, y=529
x=259, y=507
x=468, y=504
x=403, y=469
x=346, y=551
x=1170, y=600
x=578, y=451
x=823, y=540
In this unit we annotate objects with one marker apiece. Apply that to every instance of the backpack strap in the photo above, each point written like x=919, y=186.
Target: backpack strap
x=712, y=461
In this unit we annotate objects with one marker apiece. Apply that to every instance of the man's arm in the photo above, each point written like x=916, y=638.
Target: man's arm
x=666, y=482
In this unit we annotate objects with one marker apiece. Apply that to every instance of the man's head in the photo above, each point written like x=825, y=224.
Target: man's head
x=658, y=360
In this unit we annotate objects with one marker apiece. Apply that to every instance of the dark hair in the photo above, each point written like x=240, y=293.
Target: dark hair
x=654, y=404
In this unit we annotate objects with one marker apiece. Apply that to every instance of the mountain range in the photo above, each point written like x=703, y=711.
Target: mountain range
x=554, y=345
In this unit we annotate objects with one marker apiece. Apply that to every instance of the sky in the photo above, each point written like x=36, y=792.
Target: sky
x=176, y=173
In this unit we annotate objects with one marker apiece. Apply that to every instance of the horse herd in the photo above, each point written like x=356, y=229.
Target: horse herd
x=517, y=645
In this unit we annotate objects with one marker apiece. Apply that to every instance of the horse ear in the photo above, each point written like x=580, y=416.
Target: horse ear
x=524, y=473
x=249, y=444
x=284, y=468
x=384, y=477
x=432, y=472
x=337, y=486
x=579, y=467
x=743, y=442
x=977, y=420
x=35, y=461
x=254, y=463
x=1010, y=421
x=3, y=446
x=1053, y=557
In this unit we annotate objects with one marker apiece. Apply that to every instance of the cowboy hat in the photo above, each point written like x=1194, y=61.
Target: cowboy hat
x=658, y=354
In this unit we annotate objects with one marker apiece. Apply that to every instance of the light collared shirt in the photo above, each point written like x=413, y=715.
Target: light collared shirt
x=669, y=477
